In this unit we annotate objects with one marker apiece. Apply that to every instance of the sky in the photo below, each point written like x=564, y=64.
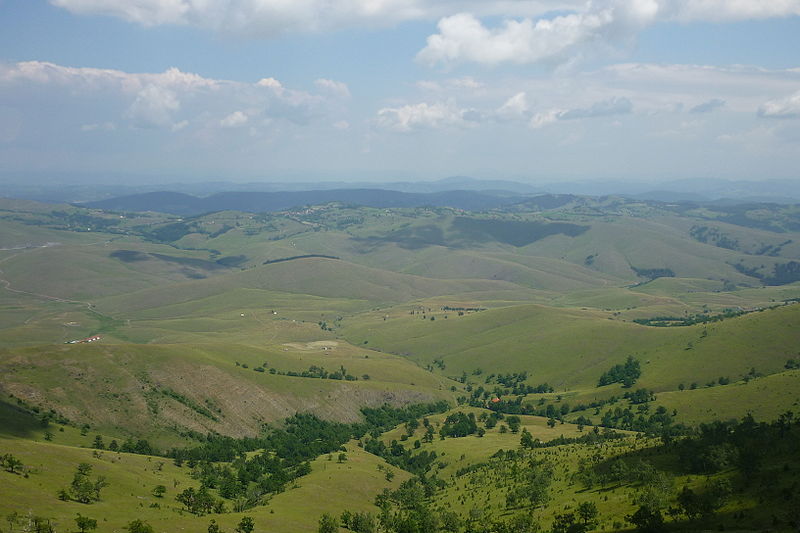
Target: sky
x=283, y=90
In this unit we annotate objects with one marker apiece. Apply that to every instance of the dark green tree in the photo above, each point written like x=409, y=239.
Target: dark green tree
x=328, y=524
x=246, y=525
x=139, y=526
x=526, y=440
x=84, y=523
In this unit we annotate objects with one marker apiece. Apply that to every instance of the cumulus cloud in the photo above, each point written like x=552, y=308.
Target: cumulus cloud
x=154, y=107
x=463, y=37
x=788, y=107
x=337, y=88
x=425, y=116
x=234, y=120
x=271, y=17
x=708, y=106
x=171, y=100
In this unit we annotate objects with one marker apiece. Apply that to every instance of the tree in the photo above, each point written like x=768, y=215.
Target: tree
x=647, y=520
x=138, y=526
x=159, y=491
x=98, y=443
x=246, y=525
x=328, y=524
x=584, y=520
x=213, y=527
x=12, y=519
x=551, y=422
x=10, y=463
x=84, y=523
x=587, y=511
x=37, y=524
x=84, y=490
x=526, y=440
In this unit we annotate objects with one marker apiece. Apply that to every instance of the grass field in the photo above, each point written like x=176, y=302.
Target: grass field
x=204, y=319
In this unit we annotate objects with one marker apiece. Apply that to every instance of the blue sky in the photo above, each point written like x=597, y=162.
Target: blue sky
x=536, y=90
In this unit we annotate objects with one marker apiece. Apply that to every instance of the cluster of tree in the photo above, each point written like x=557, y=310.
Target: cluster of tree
x=653, y=273
x=284, y=454
x=397, y=455
x=741, y=447
x=640, y=396
x=30, y=523
x=705, y=234
x=594, y=471
x=83, y=489
x=245, y=525
x=188, y=402
x=512, y=384
x=319, y=373
x=11, y=464
x=745, y=444
x=459, y=425
x=532, y=483
x=782, y=273
x=582, y=520
x=691, y=320
x=659, y=423
x=139, y=446
x=626, y=373
x=387, y=417
x=200, y=502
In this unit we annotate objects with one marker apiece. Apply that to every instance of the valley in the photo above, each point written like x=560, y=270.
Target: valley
x=422, y=368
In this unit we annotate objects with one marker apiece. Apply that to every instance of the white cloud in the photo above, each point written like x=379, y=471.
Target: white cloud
x=341, y=125
x=788, y=107
x=728, y=10
x=234, y=120
x=337, y=88
x=168, y=100
x=154, y=107
x=514, y=107
x=466, y=83
x=271, y=17
x=463, y=37
x=425, y=116
x=270, y=83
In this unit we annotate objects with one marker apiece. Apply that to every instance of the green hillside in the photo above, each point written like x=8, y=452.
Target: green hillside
x=571, y=348
x=287, y=363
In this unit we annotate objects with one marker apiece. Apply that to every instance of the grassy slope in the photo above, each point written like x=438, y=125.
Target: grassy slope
x=119, y=388
x=572, y=348
x=132, y=477
x=325, y=278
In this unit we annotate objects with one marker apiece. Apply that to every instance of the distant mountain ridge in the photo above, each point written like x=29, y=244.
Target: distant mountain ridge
x=258, y=202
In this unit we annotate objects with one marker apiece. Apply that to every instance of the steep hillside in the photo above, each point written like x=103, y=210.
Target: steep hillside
x=161, y=391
